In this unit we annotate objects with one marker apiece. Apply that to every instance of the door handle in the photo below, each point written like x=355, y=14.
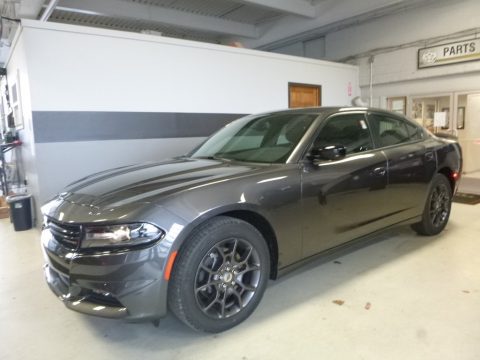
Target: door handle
x=429, y=156
x=379, y=171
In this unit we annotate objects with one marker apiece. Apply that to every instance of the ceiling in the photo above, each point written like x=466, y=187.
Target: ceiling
x=261, y=24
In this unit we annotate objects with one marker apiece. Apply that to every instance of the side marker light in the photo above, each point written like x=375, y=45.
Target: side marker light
x=168, y=268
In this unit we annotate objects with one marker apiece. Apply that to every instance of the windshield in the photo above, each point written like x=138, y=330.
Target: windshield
x=265, y=138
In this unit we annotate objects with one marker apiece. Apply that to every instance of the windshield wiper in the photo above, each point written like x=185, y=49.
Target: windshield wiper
x=213, y=158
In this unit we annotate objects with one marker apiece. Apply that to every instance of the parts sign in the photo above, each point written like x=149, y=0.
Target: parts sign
x=468, y=50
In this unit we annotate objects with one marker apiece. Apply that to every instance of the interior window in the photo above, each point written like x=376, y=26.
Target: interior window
x=349, y=130
x=388, y=130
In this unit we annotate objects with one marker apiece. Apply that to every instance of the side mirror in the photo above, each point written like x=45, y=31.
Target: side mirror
x=330, y=152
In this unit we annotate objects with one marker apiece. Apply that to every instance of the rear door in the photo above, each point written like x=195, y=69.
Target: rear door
x=411, y=164
x=343, y=199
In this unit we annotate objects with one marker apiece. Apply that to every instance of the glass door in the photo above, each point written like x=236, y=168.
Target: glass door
x=433, y=113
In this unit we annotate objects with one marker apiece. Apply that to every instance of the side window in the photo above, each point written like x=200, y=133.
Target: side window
x=415, y=132
x=349, y=130
x=388, y=130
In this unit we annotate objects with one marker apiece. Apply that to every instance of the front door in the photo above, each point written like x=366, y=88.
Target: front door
x=343, y=199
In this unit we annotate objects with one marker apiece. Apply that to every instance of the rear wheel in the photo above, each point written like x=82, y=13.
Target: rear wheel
x=437, y=208
x=220, y=275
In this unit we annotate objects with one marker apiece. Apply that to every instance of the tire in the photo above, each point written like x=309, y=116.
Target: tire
x=437, y=207
x=220, y=275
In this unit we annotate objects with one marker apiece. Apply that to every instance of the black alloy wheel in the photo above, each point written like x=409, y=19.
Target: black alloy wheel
x=437, y=208
x=439, y=204
x=227, y=278
x=220, y=275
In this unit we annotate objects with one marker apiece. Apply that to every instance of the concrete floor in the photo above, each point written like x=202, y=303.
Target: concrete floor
x=423, y=296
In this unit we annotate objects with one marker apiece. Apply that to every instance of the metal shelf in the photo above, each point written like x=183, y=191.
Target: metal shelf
x=4, y=148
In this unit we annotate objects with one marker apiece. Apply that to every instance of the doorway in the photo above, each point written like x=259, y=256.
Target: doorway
x=456, y=114
x=304, y=95
x=467, y=126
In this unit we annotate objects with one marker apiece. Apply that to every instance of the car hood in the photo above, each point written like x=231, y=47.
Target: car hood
x=151, y=181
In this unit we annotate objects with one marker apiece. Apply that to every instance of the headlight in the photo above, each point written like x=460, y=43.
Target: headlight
x=120, y=235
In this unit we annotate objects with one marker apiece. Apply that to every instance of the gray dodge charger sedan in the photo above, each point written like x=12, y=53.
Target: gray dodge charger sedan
x=201, y=234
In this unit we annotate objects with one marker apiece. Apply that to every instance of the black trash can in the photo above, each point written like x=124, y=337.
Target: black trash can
x=20, y=211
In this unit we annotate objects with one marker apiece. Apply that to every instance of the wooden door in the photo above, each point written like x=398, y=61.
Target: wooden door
x=304, y=95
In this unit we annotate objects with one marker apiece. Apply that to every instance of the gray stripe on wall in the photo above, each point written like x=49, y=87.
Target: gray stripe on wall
x=67, y=126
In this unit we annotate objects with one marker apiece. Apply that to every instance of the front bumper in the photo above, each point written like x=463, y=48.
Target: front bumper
x=126, y=284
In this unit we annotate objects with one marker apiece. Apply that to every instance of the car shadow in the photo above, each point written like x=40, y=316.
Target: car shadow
x=326, y=273
x=312, y=280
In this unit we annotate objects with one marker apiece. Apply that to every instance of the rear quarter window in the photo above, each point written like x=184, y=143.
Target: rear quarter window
x=389, y=130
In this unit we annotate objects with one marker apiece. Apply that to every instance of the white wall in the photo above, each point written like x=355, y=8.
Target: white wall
x=79, y=69
x=76, y=68
x=440, y=17
x=394, y=41
x=394, y=53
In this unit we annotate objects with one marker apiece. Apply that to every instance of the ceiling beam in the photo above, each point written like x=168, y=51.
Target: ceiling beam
x=332, y=16
x=295, y=7
x=143, y=12
x=48, y=10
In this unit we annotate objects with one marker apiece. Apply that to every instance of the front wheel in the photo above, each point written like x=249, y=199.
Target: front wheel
x=220, y=275
x=437, y=208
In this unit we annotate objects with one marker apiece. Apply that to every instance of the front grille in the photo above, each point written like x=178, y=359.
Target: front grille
x=67, y=235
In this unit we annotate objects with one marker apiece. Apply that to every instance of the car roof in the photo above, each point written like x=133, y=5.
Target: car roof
x=329, y=110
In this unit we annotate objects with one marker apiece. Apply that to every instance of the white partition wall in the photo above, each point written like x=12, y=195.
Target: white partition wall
x=95, y=99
